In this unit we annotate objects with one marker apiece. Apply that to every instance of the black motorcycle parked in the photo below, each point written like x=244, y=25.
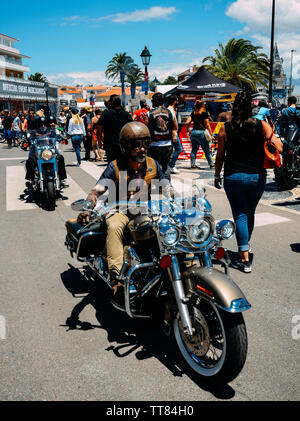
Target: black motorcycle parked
x=288, y=175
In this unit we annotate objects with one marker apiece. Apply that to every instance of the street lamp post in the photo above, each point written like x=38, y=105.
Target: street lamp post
x=291, y=74
x=272, y=53
x=145, y=55
x=46, y=86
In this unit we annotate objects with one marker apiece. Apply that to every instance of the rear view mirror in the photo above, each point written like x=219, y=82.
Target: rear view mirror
x=81, y=205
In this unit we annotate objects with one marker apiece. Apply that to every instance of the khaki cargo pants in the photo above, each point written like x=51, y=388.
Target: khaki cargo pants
x=116, y=223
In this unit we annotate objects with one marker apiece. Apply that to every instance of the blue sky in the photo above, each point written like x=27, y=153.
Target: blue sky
x=72, y=41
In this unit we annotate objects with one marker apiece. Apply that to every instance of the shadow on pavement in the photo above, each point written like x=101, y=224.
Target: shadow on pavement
x=126, y=335
x=295, y=247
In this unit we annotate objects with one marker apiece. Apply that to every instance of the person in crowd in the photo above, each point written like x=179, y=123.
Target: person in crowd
x=32, y=120
x=96, y=140
x=263, y=112
x=24, y=124
x=200, y=119
x=109, y=127
x=141, y=114
x=290, y=118
x=85, y=115
x=8, y=128
x=241, y=150
x=62, y=120
x=225, y=114
x=41, y=112
x=77, y=132
x=16, y=128
x=177, y=148
x=134, y=143
x=163, y=129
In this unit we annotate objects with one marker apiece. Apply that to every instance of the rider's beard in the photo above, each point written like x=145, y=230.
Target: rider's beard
x=140, y=157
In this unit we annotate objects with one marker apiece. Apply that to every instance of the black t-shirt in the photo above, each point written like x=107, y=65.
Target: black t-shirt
x=198, y=120
x=7, y=122
x=112, y=122
x=32, y=124
x=244, y=149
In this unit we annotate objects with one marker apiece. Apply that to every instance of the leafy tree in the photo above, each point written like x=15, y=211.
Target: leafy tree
x=118, y=67
x=38, y=77
x=171, y=80
x=240, y=63
x=133, y=77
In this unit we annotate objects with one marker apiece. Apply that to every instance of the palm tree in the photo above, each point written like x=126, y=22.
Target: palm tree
x=240, y=63
x=134, y=77
x=38, y=77
x=119, y=66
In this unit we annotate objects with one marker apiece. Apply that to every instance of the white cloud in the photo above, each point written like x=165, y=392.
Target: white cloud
x=142, y=15
x=96, y=77
x=256, y=14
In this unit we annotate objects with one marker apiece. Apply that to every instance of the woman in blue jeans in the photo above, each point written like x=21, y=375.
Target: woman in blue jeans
x=76, y=130
x=200, y=119
x=241, y=149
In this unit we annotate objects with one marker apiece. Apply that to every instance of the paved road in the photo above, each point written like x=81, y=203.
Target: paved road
x=107, y=356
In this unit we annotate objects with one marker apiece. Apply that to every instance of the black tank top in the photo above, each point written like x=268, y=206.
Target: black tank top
x=244, y=149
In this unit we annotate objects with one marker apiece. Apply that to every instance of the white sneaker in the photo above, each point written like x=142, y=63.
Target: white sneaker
x=174, y=170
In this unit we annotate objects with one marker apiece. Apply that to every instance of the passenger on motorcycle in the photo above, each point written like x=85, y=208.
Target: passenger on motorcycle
x=135, y=141
x=44, y=131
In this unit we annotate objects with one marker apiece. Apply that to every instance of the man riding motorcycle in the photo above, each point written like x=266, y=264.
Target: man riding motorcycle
x=135, y=141
x=43, y=131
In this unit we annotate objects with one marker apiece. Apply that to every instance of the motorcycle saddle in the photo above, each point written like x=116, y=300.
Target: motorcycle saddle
x=73, y=226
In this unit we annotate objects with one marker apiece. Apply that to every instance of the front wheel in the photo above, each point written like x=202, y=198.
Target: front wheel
x=284, y=179
x=50, y=194
x=218, y=348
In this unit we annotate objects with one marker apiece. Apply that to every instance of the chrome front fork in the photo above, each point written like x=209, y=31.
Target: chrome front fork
x=175, y=277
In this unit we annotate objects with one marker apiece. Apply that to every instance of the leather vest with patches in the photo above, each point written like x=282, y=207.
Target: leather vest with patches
x=122, y=170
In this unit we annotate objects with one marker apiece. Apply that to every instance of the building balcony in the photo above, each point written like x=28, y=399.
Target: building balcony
x=23, y=81
x=10, y=65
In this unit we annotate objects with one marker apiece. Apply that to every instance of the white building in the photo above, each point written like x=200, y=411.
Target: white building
x=10, y=58
x=16, y=92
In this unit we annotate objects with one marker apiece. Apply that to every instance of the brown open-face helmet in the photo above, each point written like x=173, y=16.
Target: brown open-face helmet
x=134, y=135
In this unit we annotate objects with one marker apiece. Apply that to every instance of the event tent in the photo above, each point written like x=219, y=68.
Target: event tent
x=203, y=82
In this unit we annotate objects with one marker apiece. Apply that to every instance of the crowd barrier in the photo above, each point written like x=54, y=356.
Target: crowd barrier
x=186, y=144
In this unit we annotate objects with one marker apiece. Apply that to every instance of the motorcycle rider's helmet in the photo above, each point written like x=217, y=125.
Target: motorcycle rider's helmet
x=133, y=136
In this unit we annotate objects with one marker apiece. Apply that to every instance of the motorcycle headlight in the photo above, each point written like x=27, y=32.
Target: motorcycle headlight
x=46, y=155
x=169, y=235
x=225, y=229
x=199, y=231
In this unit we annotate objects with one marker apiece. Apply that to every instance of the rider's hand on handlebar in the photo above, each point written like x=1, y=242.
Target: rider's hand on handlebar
x=84, y=218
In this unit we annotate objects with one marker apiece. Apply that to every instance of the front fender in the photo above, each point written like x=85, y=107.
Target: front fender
x=217, y=287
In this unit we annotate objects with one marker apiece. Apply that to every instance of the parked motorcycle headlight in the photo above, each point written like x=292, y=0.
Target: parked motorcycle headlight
x=170, y=236
x=199, y=231
x=46, y=155
x=225, y=229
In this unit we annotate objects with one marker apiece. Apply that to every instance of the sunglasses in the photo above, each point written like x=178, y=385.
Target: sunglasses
x=138, y=144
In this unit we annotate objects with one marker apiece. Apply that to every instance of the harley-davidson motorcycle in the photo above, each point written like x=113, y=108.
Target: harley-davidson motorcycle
x=46, y=182
x=168, y=276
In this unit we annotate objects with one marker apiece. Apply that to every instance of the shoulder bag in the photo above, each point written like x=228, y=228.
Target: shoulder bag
x=272, y=147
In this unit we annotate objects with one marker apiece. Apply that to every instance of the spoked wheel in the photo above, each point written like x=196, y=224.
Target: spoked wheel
x=218, y=348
